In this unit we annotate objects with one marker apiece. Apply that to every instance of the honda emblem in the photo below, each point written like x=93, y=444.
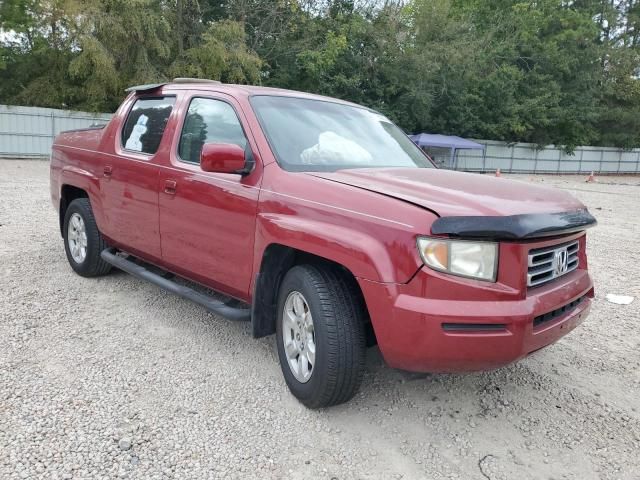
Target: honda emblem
x=561, y=261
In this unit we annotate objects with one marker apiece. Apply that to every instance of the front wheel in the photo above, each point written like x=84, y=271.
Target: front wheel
x=83, y=242
x=320, y=335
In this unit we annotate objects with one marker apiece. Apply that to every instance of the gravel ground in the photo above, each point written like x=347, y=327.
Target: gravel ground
x=112, y=377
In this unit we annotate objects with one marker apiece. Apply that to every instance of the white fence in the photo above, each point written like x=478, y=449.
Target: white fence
x=27, y=132
x=527, y=158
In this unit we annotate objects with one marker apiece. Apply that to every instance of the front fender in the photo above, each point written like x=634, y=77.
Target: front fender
x=377, y=258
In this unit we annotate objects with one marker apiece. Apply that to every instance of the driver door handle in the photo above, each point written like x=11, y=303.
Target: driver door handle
x=170, y=187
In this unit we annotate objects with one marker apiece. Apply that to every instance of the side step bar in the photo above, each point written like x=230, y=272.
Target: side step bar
x=109, y=255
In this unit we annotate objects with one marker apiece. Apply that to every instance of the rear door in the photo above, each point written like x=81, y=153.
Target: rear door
x=129, y=180
x=207, y=220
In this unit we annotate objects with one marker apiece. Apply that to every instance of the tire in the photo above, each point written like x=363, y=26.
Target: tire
x=338, y=317
x=91, y=264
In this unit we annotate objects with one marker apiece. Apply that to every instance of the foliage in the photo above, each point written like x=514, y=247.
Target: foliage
x=83, y=55
x=545, y=71
x=222, y=55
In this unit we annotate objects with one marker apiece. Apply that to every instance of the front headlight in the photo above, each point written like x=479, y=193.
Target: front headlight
x=464, y=258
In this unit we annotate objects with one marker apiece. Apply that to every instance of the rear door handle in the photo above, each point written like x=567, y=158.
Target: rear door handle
x=108, y=170
x=170, y=187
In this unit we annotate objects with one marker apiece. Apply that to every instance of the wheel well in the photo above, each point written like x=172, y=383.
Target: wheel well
x=67, y=195
x=276, y=262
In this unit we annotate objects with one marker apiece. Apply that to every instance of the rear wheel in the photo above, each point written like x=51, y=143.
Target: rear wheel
x=83, y=241
x=320, y=335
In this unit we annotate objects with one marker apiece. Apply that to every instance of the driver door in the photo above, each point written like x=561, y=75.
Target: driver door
x=207, y=220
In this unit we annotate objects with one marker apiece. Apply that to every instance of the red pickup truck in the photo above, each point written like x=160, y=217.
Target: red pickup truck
x=320, y=221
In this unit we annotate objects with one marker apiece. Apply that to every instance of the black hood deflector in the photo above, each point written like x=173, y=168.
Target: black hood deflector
x=514, y=227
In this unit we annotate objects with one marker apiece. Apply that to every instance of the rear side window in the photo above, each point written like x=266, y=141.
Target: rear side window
x=145, y=124
x=208, y=121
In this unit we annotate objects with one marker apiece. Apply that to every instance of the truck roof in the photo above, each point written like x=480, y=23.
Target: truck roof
x=229, y=88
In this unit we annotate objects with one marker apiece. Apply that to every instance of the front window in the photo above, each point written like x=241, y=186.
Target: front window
x=318, y=135
x=208, y=121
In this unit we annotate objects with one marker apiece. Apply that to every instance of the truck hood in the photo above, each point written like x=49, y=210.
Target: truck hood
x=448, y=193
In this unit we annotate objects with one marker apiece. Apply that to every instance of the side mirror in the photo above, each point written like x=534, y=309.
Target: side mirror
x=223, y=158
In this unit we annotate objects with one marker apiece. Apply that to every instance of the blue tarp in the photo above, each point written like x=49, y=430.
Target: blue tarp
x=450, y=142
x=444, y=141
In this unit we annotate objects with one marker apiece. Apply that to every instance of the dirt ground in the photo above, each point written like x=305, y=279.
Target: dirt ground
x=112, y=377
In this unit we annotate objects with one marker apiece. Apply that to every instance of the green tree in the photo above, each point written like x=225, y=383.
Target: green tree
x=84, y=54
x=221, y=55
x=548, y=71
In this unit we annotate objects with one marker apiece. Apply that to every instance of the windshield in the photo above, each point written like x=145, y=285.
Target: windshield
x=317, y=135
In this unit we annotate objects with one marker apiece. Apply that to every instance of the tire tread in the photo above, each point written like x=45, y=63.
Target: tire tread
x=96, y=266
x=342, y=311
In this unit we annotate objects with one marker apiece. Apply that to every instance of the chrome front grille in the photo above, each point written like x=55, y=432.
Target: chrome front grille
x=548, y=263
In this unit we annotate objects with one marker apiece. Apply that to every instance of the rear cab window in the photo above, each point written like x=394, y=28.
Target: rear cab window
x=145, y=124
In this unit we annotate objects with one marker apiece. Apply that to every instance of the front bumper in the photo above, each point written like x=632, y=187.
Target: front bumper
x=439, y=323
